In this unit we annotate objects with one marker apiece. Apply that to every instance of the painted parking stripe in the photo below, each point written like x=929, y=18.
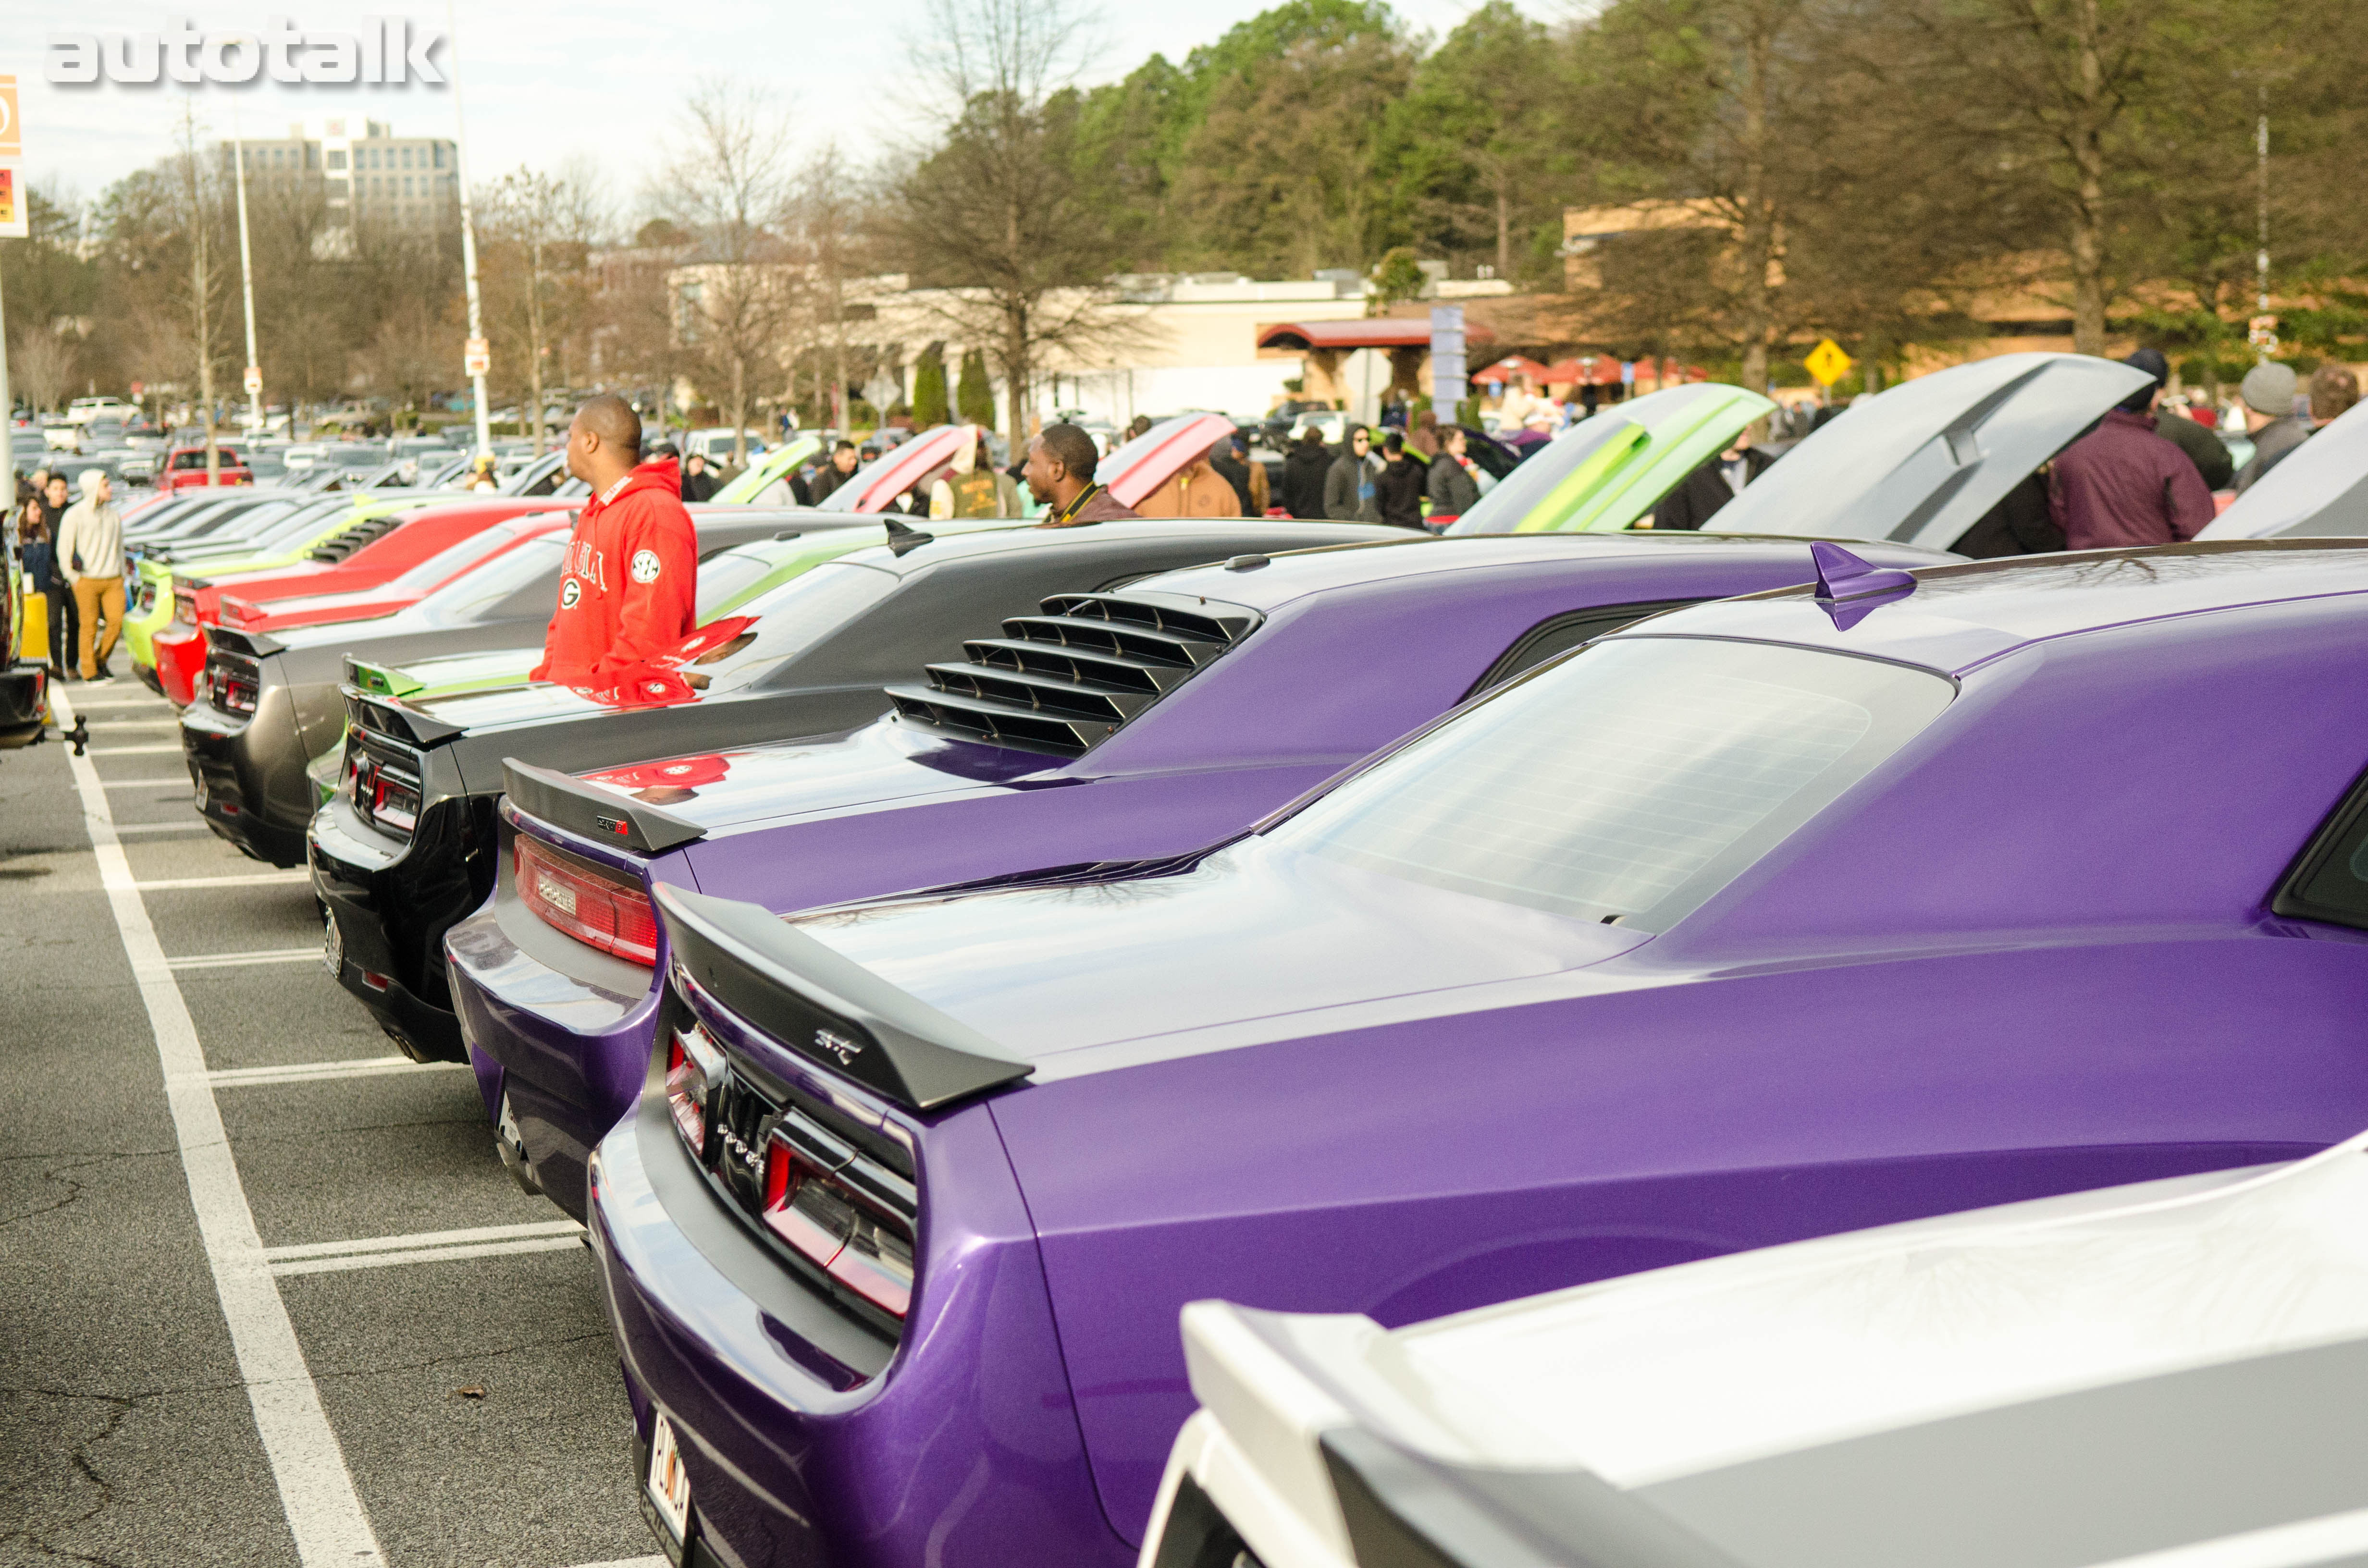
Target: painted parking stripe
x=240, y=960
x=195, y=825
x=425, y=1246
x=180, y=783
x=241, y=879
x=315, y=1071
x=653, y=1560
x=317, y=1491
x=160, y=750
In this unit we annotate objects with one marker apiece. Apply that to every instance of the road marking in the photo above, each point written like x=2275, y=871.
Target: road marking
x=136, y=750
x=263, y=955
x=114, y=724
x=425, y=1246
x=311, y=1072
x=317, y=1491
x=650, y=1561
x=181, y=783
x=243, y=880
x=196, y=824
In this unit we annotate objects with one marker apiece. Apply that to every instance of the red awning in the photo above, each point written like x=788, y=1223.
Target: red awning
x=1513, y=364
x=1582, y=369
x=1379, y=332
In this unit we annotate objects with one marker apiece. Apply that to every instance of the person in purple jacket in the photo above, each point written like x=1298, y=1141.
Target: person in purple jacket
x=2122, y=485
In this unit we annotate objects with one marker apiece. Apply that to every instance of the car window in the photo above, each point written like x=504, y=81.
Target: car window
x=1561, y=633
x=726, y=575
x=449, y=561
x=801, y=613
x=2331, y=881
x=1628, y=783
x=512, y=583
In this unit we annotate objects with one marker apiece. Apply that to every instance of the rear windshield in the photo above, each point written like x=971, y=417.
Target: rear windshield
x=796, y=615
x=1628, y=783
x=727, y=574
x=453, y=558
x=532, y=567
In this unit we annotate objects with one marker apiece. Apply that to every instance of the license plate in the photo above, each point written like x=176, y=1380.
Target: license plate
x=668, y=1487
x=332, y=946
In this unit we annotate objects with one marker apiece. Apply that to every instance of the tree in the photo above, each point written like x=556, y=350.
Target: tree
x=1479, y=155
x=930, y=388
x=538, y=231
x=41, y=367
x=1130, y=146
x=995, y=214
x=832, y=213
x=1281, y=175
x=972, y=397
x=729, y=184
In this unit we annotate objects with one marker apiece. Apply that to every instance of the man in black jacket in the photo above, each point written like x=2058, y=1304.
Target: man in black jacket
x=834, y=472
x=1701, y=493
x=1397, y=489
x=1303, y=468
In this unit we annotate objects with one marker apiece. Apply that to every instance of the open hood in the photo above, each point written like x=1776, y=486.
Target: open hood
x=1604, y=472
x=2319, y=491
x=889, y=476
x=767, y=468
x=1923, y=462
x=1134, y=471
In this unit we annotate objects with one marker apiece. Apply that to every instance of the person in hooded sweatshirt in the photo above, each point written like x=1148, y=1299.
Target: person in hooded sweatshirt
x=627, y=589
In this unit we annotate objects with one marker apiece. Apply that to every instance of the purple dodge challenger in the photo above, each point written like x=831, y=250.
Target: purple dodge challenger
x=1749, y=922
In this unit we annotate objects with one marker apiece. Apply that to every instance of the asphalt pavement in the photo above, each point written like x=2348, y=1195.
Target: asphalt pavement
x=267, y=1296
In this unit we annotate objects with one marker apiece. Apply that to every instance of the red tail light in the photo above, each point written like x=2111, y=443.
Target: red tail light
x=857, y=1242
x=599, y=911
x=693, y=1065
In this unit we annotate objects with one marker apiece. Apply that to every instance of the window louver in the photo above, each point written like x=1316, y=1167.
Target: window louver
x=1061, y=681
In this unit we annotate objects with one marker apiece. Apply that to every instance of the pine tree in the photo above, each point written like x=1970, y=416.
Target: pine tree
x=930, y=388
x=973, y=396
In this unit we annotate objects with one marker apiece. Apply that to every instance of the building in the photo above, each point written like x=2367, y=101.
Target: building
x=375, y=179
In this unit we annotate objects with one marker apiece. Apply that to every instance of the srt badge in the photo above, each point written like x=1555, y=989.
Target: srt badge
x=570, y=592
x=645, y=566
x=838, y=1045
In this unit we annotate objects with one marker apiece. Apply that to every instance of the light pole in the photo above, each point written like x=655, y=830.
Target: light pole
x=2262, y=251
x=246, y=281
x=476, y=363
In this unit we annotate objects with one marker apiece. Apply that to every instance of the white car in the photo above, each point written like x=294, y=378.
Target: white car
x=2170, y=1375
x=83, y=410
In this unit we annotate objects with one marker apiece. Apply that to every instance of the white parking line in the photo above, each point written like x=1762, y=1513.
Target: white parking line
x=263, y=955
x=425, y=1246
x=137, y=751
x=314, y=1071
x=180, y=783
x=243, y=880
x=114, y=724
x=195, y=825
x=317, y=1491
x=653, y=1560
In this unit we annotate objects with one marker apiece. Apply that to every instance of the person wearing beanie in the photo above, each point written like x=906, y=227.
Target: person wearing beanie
x=90, y=554
x=2270, y=417
x=2122, y=485
x=2203, y=447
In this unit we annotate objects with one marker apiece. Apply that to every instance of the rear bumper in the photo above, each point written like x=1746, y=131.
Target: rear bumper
x=24, y=699
x=964, y=1449
x=240, y=768
x=392, y=902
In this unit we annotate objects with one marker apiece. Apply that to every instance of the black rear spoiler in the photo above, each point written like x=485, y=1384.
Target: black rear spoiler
x=829, y=1007
x=600, y=814
x=255, y=644
x=385, y=716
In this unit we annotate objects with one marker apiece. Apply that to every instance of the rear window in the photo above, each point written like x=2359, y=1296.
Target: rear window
x=727, y=574
x=453, y=558
x=1628, y=783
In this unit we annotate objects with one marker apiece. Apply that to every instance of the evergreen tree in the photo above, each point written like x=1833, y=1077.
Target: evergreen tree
x=930, y=388
x=973, y=396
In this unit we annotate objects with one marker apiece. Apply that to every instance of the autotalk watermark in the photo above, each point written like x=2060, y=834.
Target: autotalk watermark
x=387, y=51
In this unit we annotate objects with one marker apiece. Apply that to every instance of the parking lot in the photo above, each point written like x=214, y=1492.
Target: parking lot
x=267, y=1285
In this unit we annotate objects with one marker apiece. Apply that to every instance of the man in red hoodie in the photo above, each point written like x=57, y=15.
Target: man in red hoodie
x=629, y=583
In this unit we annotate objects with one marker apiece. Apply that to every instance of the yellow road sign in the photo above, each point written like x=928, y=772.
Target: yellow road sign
x=1828, y=362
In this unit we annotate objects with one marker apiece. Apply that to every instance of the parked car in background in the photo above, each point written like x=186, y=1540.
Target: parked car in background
x=2318, y=491
x=2156, y=1373
x=186, y=466
x=1718, y=933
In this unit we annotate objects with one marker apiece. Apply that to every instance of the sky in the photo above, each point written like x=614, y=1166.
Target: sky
x=543, y=83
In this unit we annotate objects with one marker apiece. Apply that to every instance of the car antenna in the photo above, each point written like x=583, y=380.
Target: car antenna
x=902, y=539
x=1841, y=576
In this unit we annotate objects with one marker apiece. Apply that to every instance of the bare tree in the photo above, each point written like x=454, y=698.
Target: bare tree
x=540, y=229
x=995, y=214
x=205, y=287
x=41, y=367
x=729, y=183
x=831, y=214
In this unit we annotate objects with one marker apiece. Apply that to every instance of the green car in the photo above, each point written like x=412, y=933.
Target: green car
x=1605, y=473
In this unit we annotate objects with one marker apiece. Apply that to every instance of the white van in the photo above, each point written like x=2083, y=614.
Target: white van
x=83, y=410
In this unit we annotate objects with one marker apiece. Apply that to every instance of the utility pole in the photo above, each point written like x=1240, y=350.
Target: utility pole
x=477, y=364
x=201, y=288
x=246, y=281
x=2262, y=253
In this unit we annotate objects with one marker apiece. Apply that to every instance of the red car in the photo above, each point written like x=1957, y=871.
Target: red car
x=181, y=647
x=186, y=466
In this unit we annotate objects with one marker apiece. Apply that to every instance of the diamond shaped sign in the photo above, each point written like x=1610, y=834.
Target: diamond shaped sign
x=1828, y=362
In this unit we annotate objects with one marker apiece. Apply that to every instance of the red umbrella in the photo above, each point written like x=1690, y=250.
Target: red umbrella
x=1512, y=365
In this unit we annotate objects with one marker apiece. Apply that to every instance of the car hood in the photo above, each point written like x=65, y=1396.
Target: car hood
x=880, y=762
x=1923, y=462
x=1605, y=472
x=1253, y=931
x=2318, y=491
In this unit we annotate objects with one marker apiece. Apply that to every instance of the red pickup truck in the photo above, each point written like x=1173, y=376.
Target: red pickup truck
x=186, y=466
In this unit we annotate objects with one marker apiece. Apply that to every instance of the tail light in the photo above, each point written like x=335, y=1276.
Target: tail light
x=846, y=1220
x=693, y=1068
x=386, y=797
x=599, y=911
x=184, y=606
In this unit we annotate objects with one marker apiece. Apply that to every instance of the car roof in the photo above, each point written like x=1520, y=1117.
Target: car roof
x=1223, y=533
x=1327, y=568
x=1958, y=616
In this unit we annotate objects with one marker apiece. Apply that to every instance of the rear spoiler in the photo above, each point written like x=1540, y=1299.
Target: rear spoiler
x=255, y=644
x=828, y=1007
x=602, y=815
x=385, y=716
x=379, y=680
